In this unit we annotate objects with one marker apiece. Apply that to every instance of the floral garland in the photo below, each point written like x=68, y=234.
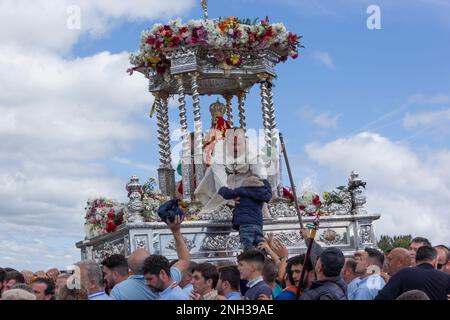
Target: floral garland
x=310, y=203
x=103, y=215
x=224, y=39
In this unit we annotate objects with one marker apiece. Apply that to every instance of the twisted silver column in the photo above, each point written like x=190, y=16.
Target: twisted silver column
x=182, y=104
x=228, y=98
x=272, y=121
x=163, y=131
x=167, y=151
x=265, y=113
x=241, y=108
x=198, y=139
x=159, y=120
x=186, y=161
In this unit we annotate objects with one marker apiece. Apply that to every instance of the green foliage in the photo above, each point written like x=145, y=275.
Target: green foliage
x=387, y=243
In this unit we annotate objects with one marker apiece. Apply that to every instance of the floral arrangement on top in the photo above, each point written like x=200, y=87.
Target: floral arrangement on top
x=224, y=40
x=103, y=215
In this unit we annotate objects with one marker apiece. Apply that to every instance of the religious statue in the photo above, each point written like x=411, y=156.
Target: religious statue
x=219, y=126
x=230, y=158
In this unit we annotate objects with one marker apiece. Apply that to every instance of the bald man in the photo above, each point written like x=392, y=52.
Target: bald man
x=397, y=259
x=443, y=263
x=134, y=288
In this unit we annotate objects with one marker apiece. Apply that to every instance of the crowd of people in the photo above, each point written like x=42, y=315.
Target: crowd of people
x=264, y=272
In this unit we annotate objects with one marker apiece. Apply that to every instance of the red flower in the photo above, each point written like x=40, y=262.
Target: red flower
x=295, y=56
x=316, y=200
x=183, y=30
x=176, y=40
x=269, y=33
x=292, y=38
x=302, y=207
x=110, y=226
x=150, y=40
x=288, y=194
x=111, y=215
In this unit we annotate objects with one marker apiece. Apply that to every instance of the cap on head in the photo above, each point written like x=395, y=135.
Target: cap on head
x=333, y=261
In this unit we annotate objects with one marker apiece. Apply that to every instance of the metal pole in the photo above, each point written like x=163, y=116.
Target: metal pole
x=288, y=168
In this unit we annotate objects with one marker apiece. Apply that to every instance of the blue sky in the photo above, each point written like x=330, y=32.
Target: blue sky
x=75, y=125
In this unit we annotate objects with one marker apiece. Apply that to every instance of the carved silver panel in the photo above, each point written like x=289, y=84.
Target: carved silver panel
x=365, y=233
x=189, y=243
x=141, y=242
x=213, y=77
x=108, y=248
x=282, y=208
x=290, y=239
x=331, y=237
x=223, y=212
x=221, y=242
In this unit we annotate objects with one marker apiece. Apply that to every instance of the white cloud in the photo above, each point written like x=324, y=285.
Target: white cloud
x=410, y=190
x=325, y=120
x=429, y=118
x=60, y=119
x=42, y=24
x=323, y=58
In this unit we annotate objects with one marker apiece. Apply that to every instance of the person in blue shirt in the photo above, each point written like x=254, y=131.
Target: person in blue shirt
x=186, y=277
x=157, y=272
x=371, y=281
x=350, y=276
x=228, y=284
x=134, y=288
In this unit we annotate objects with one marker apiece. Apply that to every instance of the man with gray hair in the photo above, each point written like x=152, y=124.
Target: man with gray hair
x=91, y=279
x=135, y=287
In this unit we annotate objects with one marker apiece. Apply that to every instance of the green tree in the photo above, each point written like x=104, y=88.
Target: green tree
x=387, y=243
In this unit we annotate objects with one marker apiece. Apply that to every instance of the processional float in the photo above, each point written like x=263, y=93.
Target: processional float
x=224, y=58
